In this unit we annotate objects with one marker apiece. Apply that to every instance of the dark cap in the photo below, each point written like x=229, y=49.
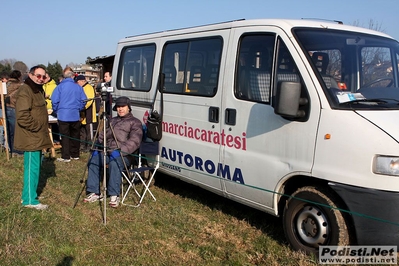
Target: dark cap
x=80, y=77
x=122, y=101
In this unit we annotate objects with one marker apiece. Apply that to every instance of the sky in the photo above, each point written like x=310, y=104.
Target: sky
x=46, y=31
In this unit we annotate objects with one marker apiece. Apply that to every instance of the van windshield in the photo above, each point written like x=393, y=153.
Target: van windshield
x=356, y=71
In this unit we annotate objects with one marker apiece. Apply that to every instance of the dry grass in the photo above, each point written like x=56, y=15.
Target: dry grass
x=185, y=226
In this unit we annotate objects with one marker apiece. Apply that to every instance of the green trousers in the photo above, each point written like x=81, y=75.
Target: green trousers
x=32, y=161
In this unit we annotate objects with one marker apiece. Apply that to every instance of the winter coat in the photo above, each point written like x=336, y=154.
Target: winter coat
x=48, y=88
x=31, y=127
x=128, y=132
x=89, y=114
x=68, y=99
x=12, y=87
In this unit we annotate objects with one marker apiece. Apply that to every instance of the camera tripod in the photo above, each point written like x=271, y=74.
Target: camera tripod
x=102, y=126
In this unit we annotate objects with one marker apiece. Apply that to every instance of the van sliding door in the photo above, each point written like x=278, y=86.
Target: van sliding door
x=192, y=97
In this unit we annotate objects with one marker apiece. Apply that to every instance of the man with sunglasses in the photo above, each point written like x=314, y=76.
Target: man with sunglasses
x=31, y=132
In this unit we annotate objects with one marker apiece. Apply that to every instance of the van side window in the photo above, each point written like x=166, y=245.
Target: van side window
x=191, y=67
x=287, y=71
x=136, y=67
x=254, y=67
x=285, y=65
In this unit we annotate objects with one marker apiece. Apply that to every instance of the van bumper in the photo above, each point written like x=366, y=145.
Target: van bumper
x=375, y=214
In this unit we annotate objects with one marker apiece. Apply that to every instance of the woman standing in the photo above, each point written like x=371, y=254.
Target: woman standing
x=12, y=87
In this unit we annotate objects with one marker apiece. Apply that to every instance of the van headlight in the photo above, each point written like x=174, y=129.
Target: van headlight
x=386, y=165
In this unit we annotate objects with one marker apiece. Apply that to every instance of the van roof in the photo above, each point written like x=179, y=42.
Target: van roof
x=286, y=24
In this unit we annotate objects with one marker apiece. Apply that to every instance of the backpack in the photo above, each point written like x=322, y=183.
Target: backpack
x=154, y=126
x=154, y=120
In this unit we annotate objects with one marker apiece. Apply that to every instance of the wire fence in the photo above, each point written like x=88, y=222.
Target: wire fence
x=100, y=147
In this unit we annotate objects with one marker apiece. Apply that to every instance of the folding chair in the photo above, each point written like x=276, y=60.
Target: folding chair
x=146, y=150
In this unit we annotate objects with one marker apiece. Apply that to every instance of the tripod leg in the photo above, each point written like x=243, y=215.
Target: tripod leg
x=84, y=178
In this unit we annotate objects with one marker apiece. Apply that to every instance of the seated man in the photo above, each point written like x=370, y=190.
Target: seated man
x=128, y=133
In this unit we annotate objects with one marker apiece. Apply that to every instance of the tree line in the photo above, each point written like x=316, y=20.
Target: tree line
x=7, y=65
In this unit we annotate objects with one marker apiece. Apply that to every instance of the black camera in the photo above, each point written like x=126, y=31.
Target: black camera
x=106, y=89
x=104, y=86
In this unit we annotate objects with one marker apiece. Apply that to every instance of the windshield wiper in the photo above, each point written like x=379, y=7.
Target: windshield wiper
x=368, y=101
x=390, y=99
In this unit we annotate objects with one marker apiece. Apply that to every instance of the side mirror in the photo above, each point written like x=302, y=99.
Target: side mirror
x=288, y=99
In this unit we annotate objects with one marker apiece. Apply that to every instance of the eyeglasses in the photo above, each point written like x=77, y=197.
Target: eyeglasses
x=39, y=76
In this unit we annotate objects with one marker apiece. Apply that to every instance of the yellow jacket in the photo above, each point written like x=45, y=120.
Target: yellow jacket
x=48, y=90
x=90, y=105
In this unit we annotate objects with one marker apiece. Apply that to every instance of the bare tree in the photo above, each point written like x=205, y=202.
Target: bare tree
x=21, y=66
x=372, y=25
x=71, y=64
x=8, y=61
x=376, y=60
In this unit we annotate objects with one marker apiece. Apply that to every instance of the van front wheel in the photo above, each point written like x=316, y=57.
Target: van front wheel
x=311, y=219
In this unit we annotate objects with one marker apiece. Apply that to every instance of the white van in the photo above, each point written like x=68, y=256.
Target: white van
x=297, y=118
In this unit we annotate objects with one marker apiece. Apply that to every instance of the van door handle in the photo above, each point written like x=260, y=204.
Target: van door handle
x=213, y=115
x=231, y=115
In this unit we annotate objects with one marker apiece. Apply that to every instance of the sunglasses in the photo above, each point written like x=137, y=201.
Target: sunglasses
x=39, y=76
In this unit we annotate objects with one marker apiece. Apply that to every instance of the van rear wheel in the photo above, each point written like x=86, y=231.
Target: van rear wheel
x=308, y=225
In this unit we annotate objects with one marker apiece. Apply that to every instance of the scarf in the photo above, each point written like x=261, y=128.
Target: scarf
x=36, y=88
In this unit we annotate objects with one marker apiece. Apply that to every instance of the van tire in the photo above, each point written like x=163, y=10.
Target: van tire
x=308, y=225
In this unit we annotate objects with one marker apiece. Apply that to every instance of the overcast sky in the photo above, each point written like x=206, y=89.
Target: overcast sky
x=42, y=32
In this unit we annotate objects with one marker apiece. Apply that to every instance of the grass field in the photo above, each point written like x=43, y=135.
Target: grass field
x=185, y=226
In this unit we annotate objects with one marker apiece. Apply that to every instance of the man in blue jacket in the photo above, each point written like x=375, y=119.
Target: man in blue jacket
x=68, y=99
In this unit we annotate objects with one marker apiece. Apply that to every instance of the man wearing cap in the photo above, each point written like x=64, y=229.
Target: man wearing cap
x=123, y=138
x=87, y=116
x=68, y=99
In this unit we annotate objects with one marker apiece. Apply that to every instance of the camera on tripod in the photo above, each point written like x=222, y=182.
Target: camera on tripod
x=104, y=86
x=105, y=89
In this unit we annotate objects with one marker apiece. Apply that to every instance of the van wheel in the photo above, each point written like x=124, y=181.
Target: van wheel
x=308, y=225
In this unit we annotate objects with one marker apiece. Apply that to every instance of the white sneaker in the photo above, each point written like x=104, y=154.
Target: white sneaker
x=114, y=202
x=37, y=206
x=63, y=160
x=93, y=197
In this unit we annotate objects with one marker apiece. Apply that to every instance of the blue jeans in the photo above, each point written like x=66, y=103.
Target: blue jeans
x=115, y=168
x=11, y=118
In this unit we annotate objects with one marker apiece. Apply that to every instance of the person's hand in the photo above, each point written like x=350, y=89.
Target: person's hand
x=115, y=154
